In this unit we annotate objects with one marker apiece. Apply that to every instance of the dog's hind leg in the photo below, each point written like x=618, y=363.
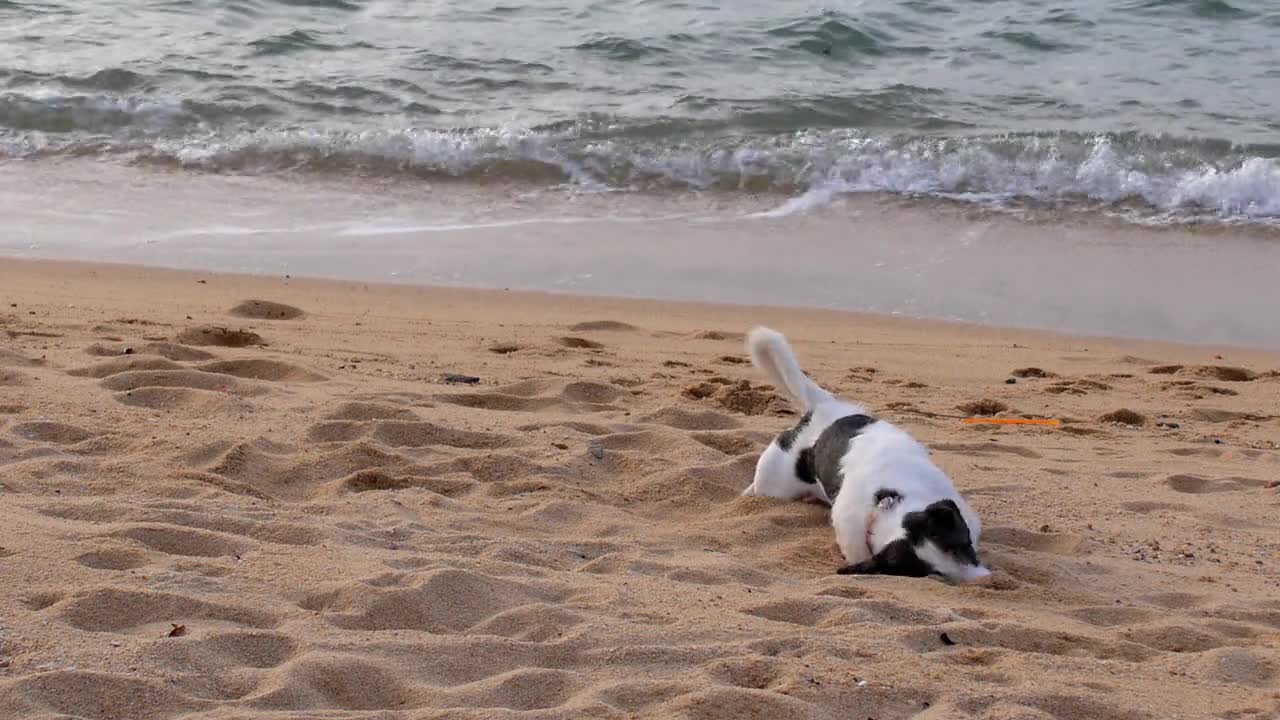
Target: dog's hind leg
x=776, y=477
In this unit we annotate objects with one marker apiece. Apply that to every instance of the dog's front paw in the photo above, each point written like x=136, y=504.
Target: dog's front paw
x=866, y=567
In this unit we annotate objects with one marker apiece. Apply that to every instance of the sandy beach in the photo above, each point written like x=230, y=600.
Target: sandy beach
x=225, y=496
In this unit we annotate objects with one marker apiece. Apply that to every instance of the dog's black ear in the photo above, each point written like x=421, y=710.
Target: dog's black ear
x=916, y=524
x=944, y=514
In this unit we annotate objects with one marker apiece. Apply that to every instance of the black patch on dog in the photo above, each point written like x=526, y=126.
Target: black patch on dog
x=830, y=448
x=805, y=472
x=787, y=438
x=896, y=558
x=942, y=524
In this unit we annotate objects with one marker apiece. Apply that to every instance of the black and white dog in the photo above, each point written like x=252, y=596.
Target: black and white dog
x=893, y=510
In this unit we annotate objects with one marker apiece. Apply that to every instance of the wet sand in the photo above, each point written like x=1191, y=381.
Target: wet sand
x=1038, y=269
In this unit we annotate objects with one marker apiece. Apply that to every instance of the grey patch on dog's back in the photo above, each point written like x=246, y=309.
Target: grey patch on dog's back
x=821, y=462
x=787, y=437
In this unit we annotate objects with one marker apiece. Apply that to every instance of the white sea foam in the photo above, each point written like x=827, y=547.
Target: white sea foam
x=1172, y=178
x=1248, y=190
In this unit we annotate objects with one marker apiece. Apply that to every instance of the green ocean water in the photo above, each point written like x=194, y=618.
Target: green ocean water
x=1163, y=109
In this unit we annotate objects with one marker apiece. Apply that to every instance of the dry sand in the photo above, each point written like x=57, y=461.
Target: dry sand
x=318, y=526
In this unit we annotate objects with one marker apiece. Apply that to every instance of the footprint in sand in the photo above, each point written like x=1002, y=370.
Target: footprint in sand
x=404, y=433
x=733, y=443
x=190, y=379
x=55, y=433
x=1146, y=507
x=258, y=470
x=445, y=601
x=1080, y=431
x=1212, y=415
x=1111, y=616
x=1237, y=666
x=541, y=395
x=1041, y=542
x=167, y=350
x=719, y=335
x=112, y=559
x=603, y=326
x=40, y=600
x=1130, y=474
x=1173, y=600
x=13, y=334
x=12, y=378
x=180, y=399
x=809, y=612
x=756, y=673
x=987, y=449
x=378, y=480
x=361, y=410
x=982, y=408
x=1124, y=416
x=1192, y=390
x=98, y=695
x=683, y=419
x=646, y=441
x=219, y=336
x=117, y=610
x=1021, y=638
x=339, y=431
x=160, y=384
x=323, y=682
x=186, y=542
x=263, y=369
x=1196, y=485
x=590, y=393
x=238, y=649
x=130, y=363
x=582, y=428
x=1206, y=452
x=1177, y=638
x=174, y=351
x=1224, y=373
x=1079, y=386
x=579, y=343
x=740, y=397
x=535, y=623
x=492, y=467
x=1033, y=373
x=848, y=592
x=639, y=696
x=9, y=358
x=265, y=310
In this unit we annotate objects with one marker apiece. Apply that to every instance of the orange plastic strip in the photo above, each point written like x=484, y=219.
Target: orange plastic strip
x=1012, y=421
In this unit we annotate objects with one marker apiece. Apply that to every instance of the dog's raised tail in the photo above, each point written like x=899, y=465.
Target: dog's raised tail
x=771, y=352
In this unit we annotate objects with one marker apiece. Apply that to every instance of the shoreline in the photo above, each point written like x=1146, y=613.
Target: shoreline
x=865, y=254
x=76, y=273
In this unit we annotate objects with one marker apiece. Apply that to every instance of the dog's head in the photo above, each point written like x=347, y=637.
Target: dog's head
x=940, y=538
x=935, y=541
